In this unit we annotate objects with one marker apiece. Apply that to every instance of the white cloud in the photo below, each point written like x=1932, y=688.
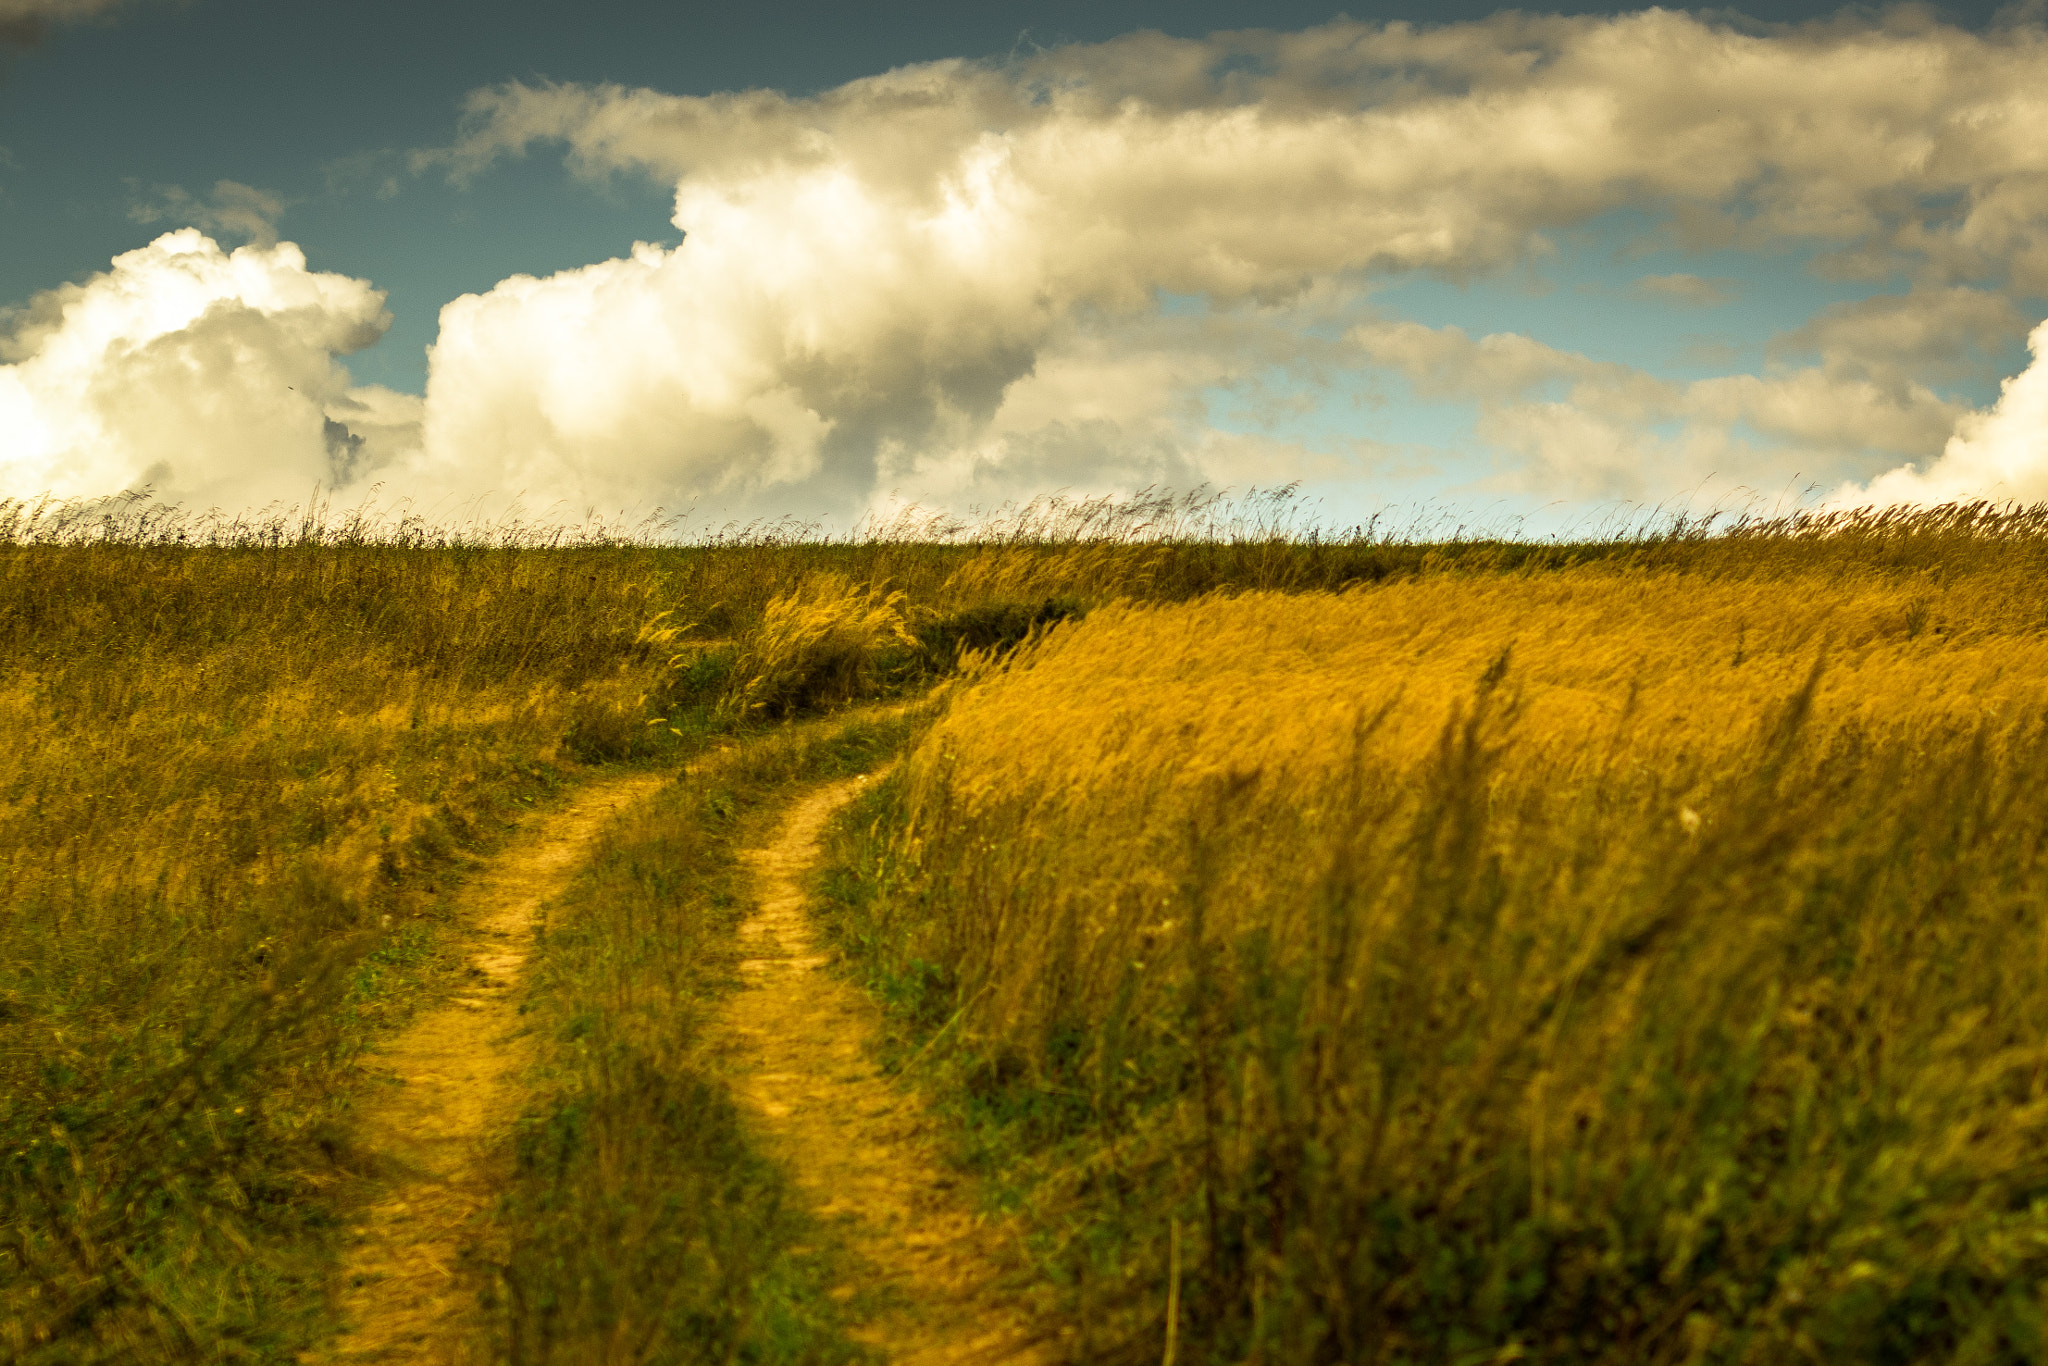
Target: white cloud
x=209, y=376
x=233, y=210
x=2000, y=453
x=878, y=281
x=1392, y=147
x=946, y=279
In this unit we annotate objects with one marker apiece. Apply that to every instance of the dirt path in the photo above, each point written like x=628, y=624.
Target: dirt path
x=451, y=1080
x=798, y=1042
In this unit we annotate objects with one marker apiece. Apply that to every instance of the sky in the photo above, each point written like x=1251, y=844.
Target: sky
x=1518, y=269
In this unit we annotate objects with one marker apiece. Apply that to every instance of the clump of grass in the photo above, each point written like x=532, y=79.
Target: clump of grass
x=1608, y=965
x=821, y=645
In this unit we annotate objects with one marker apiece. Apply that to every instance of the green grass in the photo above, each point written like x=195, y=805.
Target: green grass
x=249, y=761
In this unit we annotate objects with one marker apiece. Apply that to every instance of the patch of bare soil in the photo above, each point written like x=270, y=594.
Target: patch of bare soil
x=798, y=1042
x=443, y=1089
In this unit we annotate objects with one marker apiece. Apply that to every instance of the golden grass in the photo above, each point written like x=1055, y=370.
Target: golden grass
x=1626, y=963
x=242, y=759
x=244, y=756
x=231, y=782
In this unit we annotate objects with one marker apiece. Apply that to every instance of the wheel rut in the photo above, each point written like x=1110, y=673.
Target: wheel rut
x=443, y=1090
x=799, y=1047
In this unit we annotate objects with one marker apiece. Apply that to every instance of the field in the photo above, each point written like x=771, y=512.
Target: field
x=1317, y=949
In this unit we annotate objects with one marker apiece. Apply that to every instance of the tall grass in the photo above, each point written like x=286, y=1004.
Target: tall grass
x=247, y=754
x=817, y=646
x=244, y=759
x=233, y=783
x=1644, y=961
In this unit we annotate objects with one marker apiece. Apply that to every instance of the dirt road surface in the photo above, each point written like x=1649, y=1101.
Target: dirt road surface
x=798, y=1042
x=442, y=1091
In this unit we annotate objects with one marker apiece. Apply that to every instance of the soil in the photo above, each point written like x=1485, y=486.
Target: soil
x=799, y=1045
x=441, y=1092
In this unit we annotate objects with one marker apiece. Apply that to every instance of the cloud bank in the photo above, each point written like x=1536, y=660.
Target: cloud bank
x=954, y=278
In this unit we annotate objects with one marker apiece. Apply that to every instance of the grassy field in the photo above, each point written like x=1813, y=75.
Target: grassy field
x=248, y=759
x=1640, y=961
x=1340, y=949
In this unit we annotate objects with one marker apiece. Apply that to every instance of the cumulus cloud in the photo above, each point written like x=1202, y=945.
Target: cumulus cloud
x=2000, y=453
x=953, y=276
x=875, y=280
x=233, y=210
x=208, y=376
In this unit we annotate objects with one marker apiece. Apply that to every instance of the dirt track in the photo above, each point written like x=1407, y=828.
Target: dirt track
x=798, y=1044
x=440, y=1092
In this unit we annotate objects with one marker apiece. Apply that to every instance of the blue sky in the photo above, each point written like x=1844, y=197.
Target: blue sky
x=345, y=133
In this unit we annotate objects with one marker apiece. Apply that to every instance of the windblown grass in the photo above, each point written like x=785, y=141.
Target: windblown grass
x=1643, y=961
x=245, y=753
x=820, y=645
x=231, y=783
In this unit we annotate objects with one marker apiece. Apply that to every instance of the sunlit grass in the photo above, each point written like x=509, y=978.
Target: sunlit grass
x=1642, y=961
x=247, y=758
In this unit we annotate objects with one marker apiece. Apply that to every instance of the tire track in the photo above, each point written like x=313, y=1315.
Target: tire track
x=449, y=1083
x=798, y=1043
